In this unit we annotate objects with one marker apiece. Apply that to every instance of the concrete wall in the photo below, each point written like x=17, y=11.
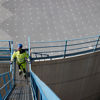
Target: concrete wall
x=75, y=78
x=4, y=67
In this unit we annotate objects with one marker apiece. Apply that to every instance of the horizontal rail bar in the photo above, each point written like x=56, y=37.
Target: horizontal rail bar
x=4, y=48
x=46, y=41
x=41, y=54
x=48, y=51
x=66, y=55
x=74, y=44
x=50, y=57
x=78, y=48
x=4, y=54
x=47, y=46
x=5, y=62
x=6, y=84
x=4, y=74
x=5, y=58
x=6, y=41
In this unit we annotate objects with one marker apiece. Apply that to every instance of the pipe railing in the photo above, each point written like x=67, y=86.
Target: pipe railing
x=40, y=90
x=7, y=79
x=57, y=49
x=9, y=82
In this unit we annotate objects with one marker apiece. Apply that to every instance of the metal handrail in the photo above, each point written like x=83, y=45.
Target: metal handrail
x=64, y=47
x=10, y=82
x=6, y=84
x=40, y=90
x=5, y=55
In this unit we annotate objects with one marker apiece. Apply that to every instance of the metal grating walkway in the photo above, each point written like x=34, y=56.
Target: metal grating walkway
x=22, y=90
x=21, y=93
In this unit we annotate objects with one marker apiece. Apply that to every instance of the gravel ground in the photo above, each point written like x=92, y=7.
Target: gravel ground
x=48, y=20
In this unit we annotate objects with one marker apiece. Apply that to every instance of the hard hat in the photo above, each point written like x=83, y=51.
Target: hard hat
x=20, y=45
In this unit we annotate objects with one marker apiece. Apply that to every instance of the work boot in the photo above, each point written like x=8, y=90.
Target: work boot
x=20, y=72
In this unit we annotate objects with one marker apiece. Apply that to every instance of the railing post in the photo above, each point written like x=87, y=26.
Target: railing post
x=65, y=48
x=14, y=71
x=10, y=82
x=9, y=45
x=0, y=92
x=96, y=44
x=4, y=81
x=29, y=52
x=11, y=55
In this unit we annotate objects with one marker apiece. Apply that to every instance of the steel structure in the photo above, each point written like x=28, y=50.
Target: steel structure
x=64, y=48
x=12, y=86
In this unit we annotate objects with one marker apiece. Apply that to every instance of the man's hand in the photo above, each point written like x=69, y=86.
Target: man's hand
x=11, y=62
x=29, y=62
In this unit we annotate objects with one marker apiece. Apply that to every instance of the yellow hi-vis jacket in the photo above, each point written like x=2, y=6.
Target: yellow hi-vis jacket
x=21, y=57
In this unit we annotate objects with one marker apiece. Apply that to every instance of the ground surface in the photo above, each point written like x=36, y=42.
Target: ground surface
x=48, y=20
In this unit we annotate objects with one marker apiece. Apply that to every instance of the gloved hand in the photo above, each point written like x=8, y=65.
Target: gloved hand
x=11, y=62
x=29, y=62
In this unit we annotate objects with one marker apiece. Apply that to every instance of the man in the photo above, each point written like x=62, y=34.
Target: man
x=21, y=56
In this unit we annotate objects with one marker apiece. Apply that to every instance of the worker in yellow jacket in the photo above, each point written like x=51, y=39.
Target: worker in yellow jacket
x=21, y=56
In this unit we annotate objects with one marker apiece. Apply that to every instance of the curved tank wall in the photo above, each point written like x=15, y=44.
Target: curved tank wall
x=75, y=78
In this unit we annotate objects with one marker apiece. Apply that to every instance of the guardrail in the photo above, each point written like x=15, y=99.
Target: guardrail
x=40, y=90
x=7, y=80
x=65, y=48
x=6, y=47
x=6, y=51
x=7, y=84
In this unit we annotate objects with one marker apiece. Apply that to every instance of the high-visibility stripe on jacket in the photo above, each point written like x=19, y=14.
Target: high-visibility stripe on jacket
x=20, y=56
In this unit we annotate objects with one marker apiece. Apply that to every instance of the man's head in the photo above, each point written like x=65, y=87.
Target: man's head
x=20, y=46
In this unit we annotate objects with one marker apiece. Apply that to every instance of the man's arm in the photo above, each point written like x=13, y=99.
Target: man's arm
x=27, y=56
x=13, y=56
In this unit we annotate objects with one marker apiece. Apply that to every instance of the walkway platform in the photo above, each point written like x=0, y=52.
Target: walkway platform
x=22, y=90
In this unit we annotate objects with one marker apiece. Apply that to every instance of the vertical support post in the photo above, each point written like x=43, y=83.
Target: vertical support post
x=96, y=44
x=9, y=46
x=29, y=52
x=0, y=93
x=65, y=48
x=12, y=66
x=0, y=90
x=4, y=81
x=30, y=59
x=11, y=55
x=10, y=82
x=14, y=71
